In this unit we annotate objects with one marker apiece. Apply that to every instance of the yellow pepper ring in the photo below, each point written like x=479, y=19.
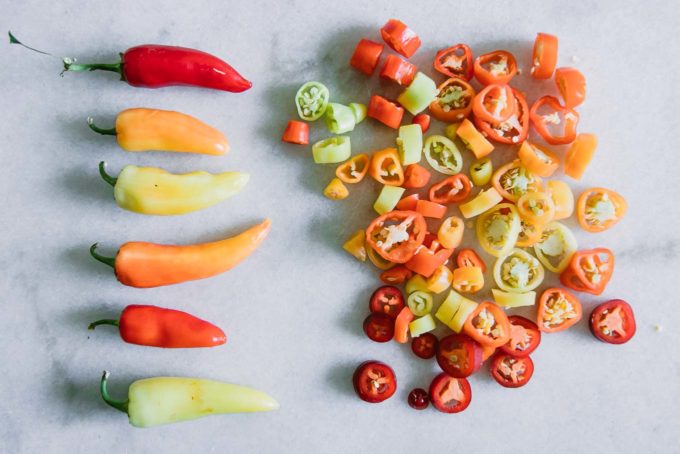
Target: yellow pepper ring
x=557, y=246
x=498, y=229
x=537, y=207
x=518, y=272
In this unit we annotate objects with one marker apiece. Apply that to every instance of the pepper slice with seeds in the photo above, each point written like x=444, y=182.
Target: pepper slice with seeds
x=537, y=207
x=518, y=272
x=354, y=170
x=397, y=235
x=311, y=100
x=498, y=229
x=558, y=309
x=443, y=155
x=556, y=247
x=488, y=325
x=589, y=271
x=513, y=180
x=453, y=101
x=599, y=209
x=386, y=168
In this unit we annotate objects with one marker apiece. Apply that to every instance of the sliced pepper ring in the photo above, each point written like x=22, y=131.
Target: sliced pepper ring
x=481, y=171
x=453, y=189
x=494, y=104
x=589, y=271
x=488, y=325
x=468, y=279
x=518, y=272
x=354, y=170
x=548, y=124
x=511, y=131
x=496, y=67
x=450, y=232
x=468, y=257
x=454, y=100
x=572, y=86
x=484, y=201
x=385, y=167
x=556, y=247
x=538, y=160
x=455, y=61
x=530, y=233
x=513, y=180
x=498, y=229
x=443, y=155
x=396, y=236
x=562, y=197
x=599, y=209
x=558, y=309
x=544, y=58
x=311, y=100
x=537, y=207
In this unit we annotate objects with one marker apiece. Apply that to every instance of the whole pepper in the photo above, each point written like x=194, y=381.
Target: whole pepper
x=149, y=190
x=163, y=400
x=144, y=265
x=143, y=129
x=167, y=328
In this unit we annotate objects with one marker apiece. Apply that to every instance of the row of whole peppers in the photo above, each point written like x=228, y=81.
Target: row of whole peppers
x=162, y=400
x=516, y=211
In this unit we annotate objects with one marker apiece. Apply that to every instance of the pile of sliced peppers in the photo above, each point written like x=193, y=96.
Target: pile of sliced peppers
x=511, y=197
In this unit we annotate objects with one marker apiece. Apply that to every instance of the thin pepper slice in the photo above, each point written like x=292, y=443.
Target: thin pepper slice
x=356, y=245
x=388, y=198
x=386, y=168
x=366, y=56
x=538, y=160
x=410, y=144
x=513, y=130
x=296, y=132
x=149, y=190
x=428, y=258
x=398, y=70
x=498, y=228
x=579, y=155
x=416, y=176
x=339, y=118
x=332, y=150
x=473, y=139
x=556, y=124
x=558, y=309
x=572, y=86
x=481, y=171
x=513, y=180
x=419, y=94
x=484, y=201
x=400, y=38
x=496, y=67
x=518, y=272
x=397, y=275
x=599, y=209
x=494, y=104
x=163, y=400
x=386, y=112
x=408, y=203
x=450, y=233
x=443, y=155
x=454, y=189
x=420, y=303
x=311, y=100
x=336, y=190
x=144, y=265
x=454, y=100
x=379, y=262
x=536, y=207
x=589, y=271
x=397, y=235
x=354, y=170
x=488, y=325
x=562, y=197
x=455, y=61
x=468, y=257
x=468, y=279
x=401, y=323
x=544, y=58
x=556, y=247
x=513, y=299
x=430, y=209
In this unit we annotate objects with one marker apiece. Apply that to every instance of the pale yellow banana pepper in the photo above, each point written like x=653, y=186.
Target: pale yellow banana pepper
x=143, y=129
x=163, y=400
x=149, y=190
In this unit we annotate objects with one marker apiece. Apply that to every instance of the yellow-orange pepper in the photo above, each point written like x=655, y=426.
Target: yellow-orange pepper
x=468, y=279
x=143, y=129
x=356, y=245
x=386, y=168
x=336, y=190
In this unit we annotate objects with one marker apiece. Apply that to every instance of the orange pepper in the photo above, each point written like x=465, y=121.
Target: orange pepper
x=144, y=265
x=416, y=176
x=530, y=234
x=397, y=275
x=354, y=170
x=538, y=160
x=404, y=317
x=504, y=179
x=408, y=203
x=454, y=100
x=296, y=132
x=450, y=232
x=579, y=155
x=488, y=325
x=589, y=271
x=468, y=257
x=453, y=189
x=558, y=309
x=427, y=259
x=386, y=168
x=430, y=209
x=598, y=209
x=556, y=114
x=468, y=279
x=562, y=197
x=501, y=67
x=572, y=86
x=473, y=139
x=544, y=56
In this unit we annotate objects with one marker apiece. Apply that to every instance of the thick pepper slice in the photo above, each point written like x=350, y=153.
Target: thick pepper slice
x=558, y=309
x=513, y=130
x=332, y=150
x=454, y=100
x=419, y=94
x=544, y=58
x=536, y=207
x=428, y=258
x=312, y=100
x=538, y=160
x=488, y=325
x=400, y=38
x=450, y=233
x=513, y=180
x=398, y=70
x=496, y=67
x=599, y=209
x=473, y=139
x=494, y=104
x=589, y=271
x=579, y=155
x=366, y=56
x=518, y=272
x=572, y=86
x=498, y=228
x=397, y=235
x=454, y=189
x=562, y=197
x=386, y=168
x=339, y=118
x=555, y=123
x=408, y=203
x=416, y=176
x=296, y=132
x=484, y=201
x=443, y=155
x=388, y=198
x=455, y=61
x=481, y=171
x=468, y=279
x=354, y=170
x=386, y=112
x=468, y=257
x=555, y=247
x=410, y=144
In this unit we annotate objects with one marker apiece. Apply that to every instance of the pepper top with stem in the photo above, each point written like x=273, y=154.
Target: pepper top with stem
x=121, y=405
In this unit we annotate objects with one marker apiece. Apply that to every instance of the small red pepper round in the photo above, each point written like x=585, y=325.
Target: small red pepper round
x=398, y=70
x=511, y=131
x=557, y=115
x=296, y=132
x=453, y=189
x=366, y=56
x=455, y=61
x=494, y=104
x=400, y=38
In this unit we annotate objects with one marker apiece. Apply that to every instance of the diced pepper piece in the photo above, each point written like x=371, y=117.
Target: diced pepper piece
x=355, y=245
x=398, y=70
x=468, y=279
x=467, y=307
x=296, y=132
x=416, y=176
x=359, y=110
x=408, y=203
x=473, y=139
x=388, y=199
x=400, y=38
x=415, y=284
x=430, y=209
x=410, y=144
x=418, y=96
x=366, y=56
x=336, y=190
x=386, y=112
x=339, y=118
x=544, y=56
x=332, y=150
x=538, y=160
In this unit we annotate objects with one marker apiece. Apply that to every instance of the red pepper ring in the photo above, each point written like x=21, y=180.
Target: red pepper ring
x=613, y=322
x=559, y=114
x=400, y=38
x=511, y=131
x=502, y=67
x=589, y=271
x=453, y=189
x=455, y=61
x=494, y=104
x=381, y=232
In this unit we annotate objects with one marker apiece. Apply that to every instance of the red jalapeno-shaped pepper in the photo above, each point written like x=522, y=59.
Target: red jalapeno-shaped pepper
x=168, y=328
x=553, y=121
x=453, y=189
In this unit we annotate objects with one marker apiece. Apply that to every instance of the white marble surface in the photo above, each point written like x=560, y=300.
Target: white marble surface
x=293, y=310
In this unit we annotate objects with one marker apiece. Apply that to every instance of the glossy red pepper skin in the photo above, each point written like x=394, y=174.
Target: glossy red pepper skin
x=167, y=328
x=155, y=66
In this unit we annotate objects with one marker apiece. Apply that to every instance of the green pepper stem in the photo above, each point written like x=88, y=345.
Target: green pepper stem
x=106, y=321
x=111, y=261
x=95, y=128
x=105, y=176
x=70, y=65
x=14, y=40
x=121, y=405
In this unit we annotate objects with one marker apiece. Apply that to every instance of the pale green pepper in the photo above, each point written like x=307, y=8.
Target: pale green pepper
x=421, y=325
x=410, y=144
x=419, y=302
x=311, y=100
x=162, y=400
x=359, y=110
x=339, y=118
x=418, y=96
x=451, y=131
x=388, y=199
x=149, y=190
x=443, y=155
x=416, y=283
x=332, y=150
x=481, y=171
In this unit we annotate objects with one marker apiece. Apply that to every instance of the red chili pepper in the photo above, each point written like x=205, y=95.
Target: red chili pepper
x=494, y=104
x=366, y=56
x=416, y=176
x=468, y=257
x=511, y=131
x=556, y=115
x=400, y=38
x=455, y=61
x=296, y=132
x=496, y=67
x=430, y=209
x=423, y=120
x=613, y=322
x=398, y=70
x=589, y=271
x=168, y=328
x=396, y=275
x=155, y=66
x=386, y=112
x=408, y=203
x=453, y=189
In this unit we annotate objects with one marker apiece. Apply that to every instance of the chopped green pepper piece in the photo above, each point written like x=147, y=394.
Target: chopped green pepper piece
x=311, y=100
x=443, y=155
x=420, y=303
x=388, y=199
x=359, y=111
x=332, y=150
x=481, y=172
x=418, y=96
x=339, y=118
x=410, y=144
x=451, y=130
